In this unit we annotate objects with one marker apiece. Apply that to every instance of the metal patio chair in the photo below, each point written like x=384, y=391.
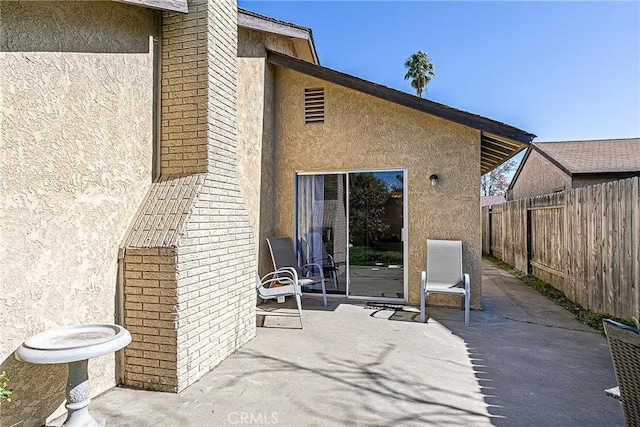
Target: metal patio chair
x=444, y=274
x=280, y=283
x=329, y=266
x=283, y=254
x=624, y=345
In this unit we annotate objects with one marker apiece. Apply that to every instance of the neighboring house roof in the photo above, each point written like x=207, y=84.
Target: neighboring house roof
x=499, y=140
x=174, y=5
x=592, y=157
x=491, y=200
x=301, y=37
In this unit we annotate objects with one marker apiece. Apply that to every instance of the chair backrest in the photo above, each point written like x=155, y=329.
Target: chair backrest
x=314, y=247
x=283, y=253
x=444, y=261
x=624, y=344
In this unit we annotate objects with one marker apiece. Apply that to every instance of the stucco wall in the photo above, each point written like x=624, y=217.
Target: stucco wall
x=251, y=132
x=252, y=43
x=75, y=162
x=256, y=137
x=538, y=176
x=363, y=132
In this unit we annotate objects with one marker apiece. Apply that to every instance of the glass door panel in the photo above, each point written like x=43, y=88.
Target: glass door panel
x=376, y=248
x=322, y=227
x=351, y=226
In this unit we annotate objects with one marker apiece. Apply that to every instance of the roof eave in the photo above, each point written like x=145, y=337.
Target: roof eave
x=168, y=5
x=402, y=98
x=499, y=141
x=255, y=21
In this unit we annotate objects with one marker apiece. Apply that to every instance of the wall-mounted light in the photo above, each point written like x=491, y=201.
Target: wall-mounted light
x=434, y=180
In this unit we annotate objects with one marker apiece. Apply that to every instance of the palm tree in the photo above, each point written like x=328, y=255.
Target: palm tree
x=420, y=70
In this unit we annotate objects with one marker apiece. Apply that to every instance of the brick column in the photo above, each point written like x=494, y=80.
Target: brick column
x=150, y=305
x=189, y=290
x=184, y=91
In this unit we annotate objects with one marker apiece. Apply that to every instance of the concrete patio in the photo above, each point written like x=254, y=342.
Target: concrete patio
x=523, y=362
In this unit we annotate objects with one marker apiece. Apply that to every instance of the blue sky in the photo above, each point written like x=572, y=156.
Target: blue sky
x=560, y=70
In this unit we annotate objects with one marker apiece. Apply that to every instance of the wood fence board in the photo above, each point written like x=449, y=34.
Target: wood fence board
x=614, y=260
x=606, y=249
x=575, y=252
x=600, y=242
x=635, y=243
x=627, y=297
x=569, y=279
x=486, y=230
x=593, y=218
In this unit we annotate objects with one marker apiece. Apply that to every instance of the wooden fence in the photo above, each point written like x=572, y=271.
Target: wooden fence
x=584, y=241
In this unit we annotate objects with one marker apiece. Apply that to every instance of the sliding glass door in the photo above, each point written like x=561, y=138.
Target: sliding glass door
x=376, y=222
x=351, y=225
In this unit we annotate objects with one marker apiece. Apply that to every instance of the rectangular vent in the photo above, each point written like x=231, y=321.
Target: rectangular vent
x=314, y=105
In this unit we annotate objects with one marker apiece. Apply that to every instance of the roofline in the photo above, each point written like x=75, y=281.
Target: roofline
x=255, y=21
x=612, y=173
x=520, y=166
x=531, y=148
x=587, y=140
x=547, y=156
x=402, y=98
x=171, y=5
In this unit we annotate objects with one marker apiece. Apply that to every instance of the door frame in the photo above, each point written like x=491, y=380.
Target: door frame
x=405, y=234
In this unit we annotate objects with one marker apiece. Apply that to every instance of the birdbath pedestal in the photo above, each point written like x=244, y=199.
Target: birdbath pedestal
x=75, y=345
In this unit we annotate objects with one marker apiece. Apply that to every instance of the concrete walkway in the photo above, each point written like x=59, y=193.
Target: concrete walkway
x=523, y=362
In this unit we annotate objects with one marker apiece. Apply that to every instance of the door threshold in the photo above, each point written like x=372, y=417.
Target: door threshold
x=357, y=297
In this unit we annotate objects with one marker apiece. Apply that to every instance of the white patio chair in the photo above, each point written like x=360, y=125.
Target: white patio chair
x=280, y=283
x=283, y=255
x=444, y=274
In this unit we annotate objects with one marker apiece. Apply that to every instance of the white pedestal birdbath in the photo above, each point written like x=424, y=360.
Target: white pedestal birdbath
x=75, y=345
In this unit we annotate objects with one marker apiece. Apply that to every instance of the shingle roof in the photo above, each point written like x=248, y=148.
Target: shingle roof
x=594, y=156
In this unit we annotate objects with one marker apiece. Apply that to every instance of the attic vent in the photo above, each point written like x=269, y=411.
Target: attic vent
x=314, y=105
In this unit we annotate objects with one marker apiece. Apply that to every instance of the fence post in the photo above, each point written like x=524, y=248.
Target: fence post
x=528, y=238
x=635, y=231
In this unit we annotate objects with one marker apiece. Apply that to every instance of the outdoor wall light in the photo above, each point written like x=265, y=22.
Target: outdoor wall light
x=434, y=180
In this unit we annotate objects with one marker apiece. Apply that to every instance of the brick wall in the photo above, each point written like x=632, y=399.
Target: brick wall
x=184, y=91
x=149, y=307
x=196, y=297
x=216, y=256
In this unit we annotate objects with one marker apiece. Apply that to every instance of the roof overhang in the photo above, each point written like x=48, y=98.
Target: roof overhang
x=496, y=149
x=499, y=141
x=170, y=5
x=301, y=37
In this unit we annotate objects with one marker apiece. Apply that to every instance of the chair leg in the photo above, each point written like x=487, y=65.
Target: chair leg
x=466, y=310
x=423, y=296
x=324, y=293
x=299, y=303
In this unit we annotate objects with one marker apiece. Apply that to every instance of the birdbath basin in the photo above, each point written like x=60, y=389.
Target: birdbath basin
x=75, y=345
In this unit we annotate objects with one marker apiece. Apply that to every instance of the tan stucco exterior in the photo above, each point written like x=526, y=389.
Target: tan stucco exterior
x=256, y=132
x=75, y=163
x=252, y=43
x=363, y=132
x=538, y=176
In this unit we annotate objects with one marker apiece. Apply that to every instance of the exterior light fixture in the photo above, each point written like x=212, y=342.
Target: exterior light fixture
x=434, y=180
